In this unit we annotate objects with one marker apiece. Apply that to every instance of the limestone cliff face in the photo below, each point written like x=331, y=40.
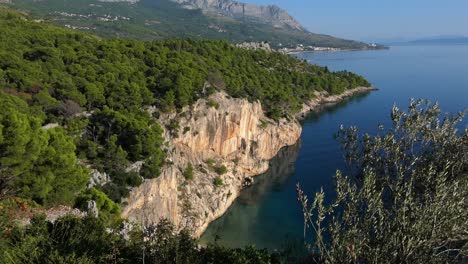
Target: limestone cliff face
x=220, y=131
x=228, y=132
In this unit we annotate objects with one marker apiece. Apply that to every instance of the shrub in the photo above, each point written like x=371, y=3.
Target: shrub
x=212, y=103
x=174, y=127
x=108, y=210
x=218, y=182
x=89, y=240
x=188, y=172
x=210, y=162
x=220, y=170
x=263, y=124
x=404, y=200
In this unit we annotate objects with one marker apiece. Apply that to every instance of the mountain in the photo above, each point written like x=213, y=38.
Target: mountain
x=163, y=19
x=271, y=14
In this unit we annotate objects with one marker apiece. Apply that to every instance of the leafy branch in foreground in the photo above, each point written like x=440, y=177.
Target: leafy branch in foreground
x=406, y=199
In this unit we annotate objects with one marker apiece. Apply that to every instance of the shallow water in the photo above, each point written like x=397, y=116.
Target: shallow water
x=267, y=214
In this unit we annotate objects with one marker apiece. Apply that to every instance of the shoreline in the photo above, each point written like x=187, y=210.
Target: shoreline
x=312, y=105
x=332, y=51
x=322, y=98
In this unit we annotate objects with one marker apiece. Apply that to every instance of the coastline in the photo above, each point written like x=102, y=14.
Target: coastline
x=332, y=51
x=322, y=98
x=232, y=136
x=315, y=104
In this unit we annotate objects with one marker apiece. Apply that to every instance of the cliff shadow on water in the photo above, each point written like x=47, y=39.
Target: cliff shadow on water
x=267, y=213
x=331, y=108
x=236, y=224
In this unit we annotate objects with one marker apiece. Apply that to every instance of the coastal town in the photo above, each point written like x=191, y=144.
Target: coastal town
x=298, y=49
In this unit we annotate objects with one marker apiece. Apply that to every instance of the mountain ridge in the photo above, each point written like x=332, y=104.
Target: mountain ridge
x=168, y=19
x=265, y=13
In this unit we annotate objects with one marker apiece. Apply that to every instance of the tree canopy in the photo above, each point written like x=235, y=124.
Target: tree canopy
x=97, y=90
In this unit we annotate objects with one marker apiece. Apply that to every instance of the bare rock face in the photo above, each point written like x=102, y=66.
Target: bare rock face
x=268, y=14
x=255, y=46
x=223, y=138
x=98, y=178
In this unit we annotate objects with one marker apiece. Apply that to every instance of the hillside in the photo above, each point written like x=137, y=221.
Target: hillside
x=84, y=120
x=66, y=86
x=270, y=14
x=162, y=19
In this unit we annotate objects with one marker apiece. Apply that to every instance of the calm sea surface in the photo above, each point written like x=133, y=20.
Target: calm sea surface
x=267, y=214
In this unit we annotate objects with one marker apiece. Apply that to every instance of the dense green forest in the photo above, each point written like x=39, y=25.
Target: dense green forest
x=71, y=102
x=96, y=90
x=163, y=19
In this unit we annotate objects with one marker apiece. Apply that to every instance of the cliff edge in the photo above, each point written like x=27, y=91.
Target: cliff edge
x=226, y=141
x=223, y=138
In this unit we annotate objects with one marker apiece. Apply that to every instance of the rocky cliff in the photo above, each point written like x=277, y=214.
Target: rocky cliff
x=223, y=138
x=270, y=14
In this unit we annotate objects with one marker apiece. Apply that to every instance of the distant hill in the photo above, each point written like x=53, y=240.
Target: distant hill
x=442, y=40
x=161, y=19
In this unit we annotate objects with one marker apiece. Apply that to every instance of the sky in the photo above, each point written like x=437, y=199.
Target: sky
x=377, y=20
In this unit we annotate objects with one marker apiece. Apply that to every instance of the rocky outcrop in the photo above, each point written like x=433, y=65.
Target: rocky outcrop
x=97, y=178
x=220, y=132
x=222, y=138
x=255, y=46
x=323, y=98
x=270, y=14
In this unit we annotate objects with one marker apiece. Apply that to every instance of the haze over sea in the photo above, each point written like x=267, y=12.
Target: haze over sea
x=268, y=214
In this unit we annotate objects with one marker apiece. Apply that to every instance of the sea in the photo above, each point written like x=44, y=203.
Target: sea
x=268, y=215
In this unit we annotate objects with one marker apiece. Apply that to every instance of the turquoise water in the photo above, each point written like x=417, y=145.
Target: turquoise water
x=268, y=214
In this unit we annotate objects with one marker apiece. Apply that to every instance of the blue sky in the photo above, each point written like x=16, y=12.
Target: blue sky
x=378, y=19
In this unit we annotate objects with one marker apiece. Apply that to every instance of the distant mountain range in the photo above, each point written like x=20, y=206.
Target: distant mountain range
x=441, y=40
x=159, y=19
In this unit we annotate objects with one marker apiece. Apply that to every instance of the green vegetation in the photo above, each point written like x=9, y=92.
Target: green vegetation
x=221, y=169
x=212, y=103
x=405, y=198
x=210, y=162
x=108, y=210
x=36, y=163
x=163, y=19
x=263, y=124
x=71, y=100
x=188, y=172
x=218, y=182
x=88, y=240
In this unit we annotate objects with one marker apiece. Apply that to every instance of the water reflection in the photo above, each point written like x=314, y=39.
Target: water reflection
x=242, y=220
x=267, y=214
x=314, y=116
x=280, y=170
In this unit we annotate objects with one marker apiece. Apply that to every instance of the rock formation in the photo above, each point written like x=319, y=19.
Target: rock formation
x=220, y=132
x=255, y=46
x=232, y=133
x=270, y=14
